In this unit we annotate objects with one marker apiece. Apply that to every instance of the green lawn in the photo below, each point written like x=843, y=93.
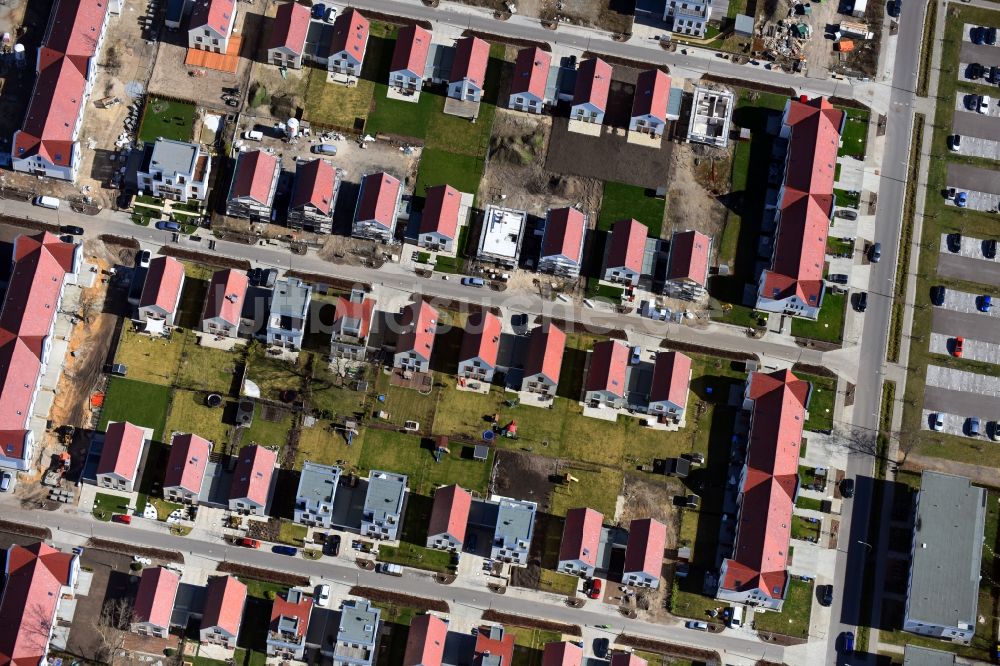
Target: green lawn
x=149, y=359
x=803, y=529
x=621, y=201
x=793, y=620
x=418, y=557
x=292, y=534
x=824, y=393
x=206, y=369
x=105, y=505
x=611, y=293
x=273, y=376
x=336, y=105
x=139, y=403
x=167, y=119
x=829, y=326
x=404, y=404
x=407, y=454
x=188, y=413
x=268, y=433
x=597, y=490
x=326, y=394
x=163, y=507
x=808, y=503
x=845, y=198
x=438, y=167
x=558, y=583
x=325, y=446
x=854, y=139
x=390, y=116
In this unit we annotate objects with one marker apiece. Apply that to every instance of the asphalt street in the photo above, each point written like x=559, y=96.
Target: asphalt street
x=967, y=324
x=961, y=403
x=958, y=267
x=968, y=177
x=969, y=123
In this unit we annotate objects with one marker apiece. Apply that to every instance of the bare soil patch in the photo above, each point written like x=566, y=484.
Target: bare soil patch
x=649, y=499
x=377, y=595
x=699, y=175
x=269, y=575
x=530, y=622
x=524, y=476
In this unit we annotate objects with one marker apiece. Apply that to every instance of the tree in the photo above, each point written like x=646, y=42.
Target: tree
x=88, y=305
x=112, y=627
x=866, y=442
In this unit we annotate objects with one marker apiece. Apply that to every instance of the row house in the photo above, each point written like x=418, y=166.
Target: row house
x=468, y=69
x=480, y=347
x=440, y=219
x=377, y=207
x=314, y=195
x=530, y=79
x=255, y=182
x=119, y=462
x=211, y=25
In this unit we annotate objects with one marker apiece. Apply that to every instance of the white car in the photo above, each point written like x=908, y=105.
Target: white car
x=984, y=104
x=937, y=421
x=145, y=561
x=322, y=595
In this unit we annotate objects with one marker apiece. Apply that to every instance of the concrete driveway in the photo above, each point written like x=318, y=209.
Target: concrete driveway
x=970, y=123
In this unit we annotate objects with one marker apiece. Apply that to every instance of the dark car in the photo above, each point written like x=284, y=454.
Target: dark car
x=990, y=248
x=994, y=75
x=71, y=230
x=954, y=242
x=975, y=71
x=825, y=595
x=601, y=646
x=255, y=276
x=847, y=641
x=837, y=278
x=284, y=550
x=894, y=8
x=332, y=545
x=847, y=488
x=163, y=225
x=976, y=35
x=971, y=102
x=861, y=301
x=937, y=294
x=875, y=253
x=991, y=36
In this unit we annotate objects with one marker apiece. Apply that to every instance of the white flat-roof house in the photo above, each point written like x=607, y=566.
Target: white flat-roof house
x=688, y=17
x=286, y=320
x=174, y=170
x=316, y=493
x=502, y=236
x=383, y=509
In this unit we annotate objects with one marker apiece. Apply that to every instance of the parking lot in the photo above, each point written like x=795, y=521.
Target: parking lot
x=957, y=424
x=975, y=146
x=986, y=271
x=968, y=177
x=962, y=301
x=976, y=350
x=969, y=246
x=970, y=123
x=968, y=102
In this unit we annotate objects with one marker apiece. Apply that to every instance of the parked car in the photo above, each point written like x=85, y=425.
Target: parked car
x=875, y=253
x=51, y=203
x=894, y=8
x=994, y=430
x=117, y=369
x=325, y=149
x=977, y=35
x=991, y=36
x=972, y=426
x=71, y=229
x=954, y=242
x=958, y=347
x=837, y=278
x=990, y=248
x=962, y=199
x=473, y=282
x=847, y=488
x=950, y=193
x=284, y=550
x=122, y=518
x=937, y=421
x=322, y=595
x=825, y=595
x=165, y=225
x=595, y=589
x=247, y=542
x=984, y=104
x=937, y=294
x=142, y=259
x=955, y=143
x=846, y=214
x=636, y=355
x=974, y=71
x=601, y=646
x=971, y=102
x=985, y=302
x=6, y=481
x=319, y=11
x=389, y=569
x=695, y=624
x=847, y=641
x=861, y=301
x=994, y=75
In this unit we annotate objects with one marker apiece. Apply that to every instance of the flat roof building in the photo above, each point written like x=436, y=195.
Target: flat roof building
x=515, y=527
x=316, y=493
x=383, y=509
x=502, y=235
x=711, y=113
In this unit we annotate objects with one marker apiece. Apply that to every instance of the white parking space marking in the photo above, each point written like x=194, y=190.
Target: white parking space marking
x=963, y=301
x=970, y=247
x=975, y=350
x=967, y=102
x=962, y=380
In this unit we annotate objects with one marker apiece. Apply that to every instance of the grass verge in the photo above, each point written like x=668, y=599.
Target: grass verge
x=905, y=245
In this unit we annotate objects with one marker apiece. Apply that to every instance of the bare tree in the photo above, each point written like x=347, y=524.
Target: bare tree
x=865, y=441
x=112, y=627
x=88, y=305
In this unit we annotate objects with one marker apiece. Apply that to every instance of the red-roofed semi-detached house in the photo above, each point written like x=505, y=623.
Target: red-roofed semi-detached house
x=416, y=338
x=590, y=96
x=440, y=220
x=185, y=473
x=347, y=48
x=255, y=181
x=211, y=25
x=623, y=260
x=531, y=75
x=649, y=106
x=580, y=542
x=668, y=393
x=606, y=376
x=154, y=602
x=544, y=360
x=562, y=244
x=562, y=653
x=756, y=571
x=37, y=578
x=123, y=443
x=286, y=635
x=495, y=643
x=161, y=294
x=223, y=314
x=644, y=553
x=224, y=601
x=378, y=206
x=687, y=265
x=477, y=360
x=409, y=59
x=314, y=196
x=352, y=324
x=250, y=492
x=287, y=42
x=425, y=641
x=468, y=70
x=449, y=518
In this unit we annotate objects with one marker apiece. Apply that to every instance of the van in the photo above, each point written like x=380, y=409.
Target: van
x=325, y=149
x=253, y=135
x=737, y=618
x=47, y=202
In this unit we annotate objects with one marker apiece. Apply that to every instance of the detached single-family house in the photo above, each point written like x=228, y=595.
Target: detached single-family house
x=531, y=75
x=185, y=473
x=314, y=196
x=255, y=181
x=416, y=338
x=378, y=206
x=161, y=295
x=644, y=553
x=250, y=492
x=562, y=244
x=211, y=25
x=224, y=601
x=347, y=48
x=316, y=494
x=289, y=307
x=580, y=542
x=480, y=347
x=544, y=360
x=425, y=641
x=439, y=221
x=154, y=602
x=223, y=315
x=590, y=96
x=687, y=265
x=357, y=634
x=649, y=106
x=287, y=42
x=286, y=635
x=468, y=69
x=119, y=463
x=605, y=385
x=623, y=260
x=515, y=527
x=351, y=325
x=449, y=518
x=382, y=513
x=688, y=17
x=671, y=379
x=562, y=653
x=174, y=170
x=409, y=59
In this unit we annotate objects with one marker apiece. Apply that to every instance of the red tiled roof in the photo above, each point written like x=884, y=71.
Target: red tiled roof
x=350, y=34
x=471, y=56
x=315, y=183
x=281, y=607
x=216, y=14
x=418, y=326
x=412, y=45
x=504, y=647
x=531, y=72
x=671, y=377
x=628, y=242
x=545, y=352
x=255, y=172
x=252, y=476
x=764, y=528
x=75, y=26
x=187, y=462
x=627, y=659
x=608, y=363
x=593, y=81
x=226, y=292
x=361, y=312
x=689, y=256
x=652, y=92
x=441, y=211
x=35, y=576
x=20, y=369
x=450, y=514
x=562, y=654
x=581, y=535
x=224, y=604
x=481, y=339
x=163, y=284
x=425, y=641
x=122, y=449
x=154, y=602
x=379, y=194
x=290, y=27
x=564, y=229
x=644, y=551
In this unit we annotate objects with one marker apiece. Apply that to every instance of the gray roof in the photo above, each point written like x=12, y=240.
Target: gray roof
x=439, y=61
x=948, y=548
x=174, y=156
x=358, y=623
x=385, y=494
x=318, y=483
x=290, y=298
x=674, y=102
x=744, y=24
x=921, y=656
x=515, y=521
